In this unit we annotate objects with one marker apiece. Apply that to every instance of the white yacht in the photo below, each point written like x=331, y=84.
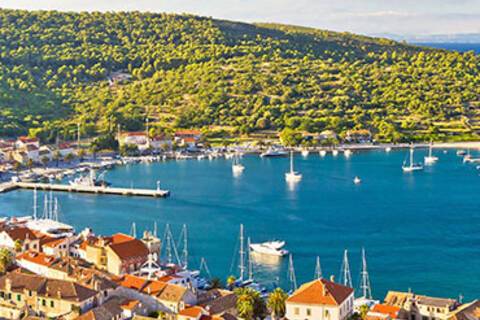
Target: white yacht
x=334, y=152
x=305, y=153
x=274, y=152
x=322, y=153
x=411, y=166
x=357, y=180
x=273, y=248
x=347, y=153
x=292, y=176
x=430, y=159
x=388, y=149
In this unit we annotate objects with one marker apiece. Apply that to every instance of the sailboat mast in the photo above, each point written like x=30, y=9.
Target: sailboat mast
x=365, y=281
x=168, y=248
x=250, y=263
x=411, y=157
x=185, y=247
x=35, y=204
x=242, y=254
x=291, y=273
x=134, y=230
x=318, y=269
x=45, y=207
x=291, y=161
x=345, y=275
x=50, y=209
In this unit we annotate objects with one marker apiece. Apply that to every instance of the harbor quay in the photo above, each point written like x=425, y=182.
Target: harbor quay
x=49, y=270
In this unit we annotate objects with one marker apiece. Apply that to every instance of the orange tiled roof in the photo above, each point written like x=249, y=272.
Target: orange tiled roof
x=129, y=304
x=192, y=312
x=20, y=233
x=187, y=132
x=159, y=289
x=392, y=311
x=129, y=249
x=37, y=258
x=52, y=243
x=321, y=292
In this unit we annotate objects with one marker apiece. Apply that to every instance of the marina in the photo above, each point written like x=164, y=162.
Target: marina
x=419, y=218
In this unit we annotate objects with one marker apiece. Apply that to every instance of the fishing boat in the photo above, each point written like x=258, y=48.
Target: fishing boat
x=430, y=159
x=273, y=248
x=411, y=166
x=357, y=180
x=461, y=153
x=292, y=176
x=90, y=180
x=322, y=153
x=237, y=167
x=274, y=152
x=305, y=153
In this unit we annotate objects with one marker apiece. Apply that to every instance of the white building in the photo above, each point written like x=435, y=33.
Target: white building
x=320, y=300
x=138, y=139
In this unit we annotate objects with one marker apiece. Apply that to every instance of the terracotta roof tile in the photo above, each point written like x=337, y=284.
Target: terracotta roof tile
x=322, y=292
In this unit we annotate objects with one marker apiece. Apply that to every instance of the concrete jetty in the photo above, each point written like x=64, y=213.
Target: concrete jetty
x=155, y=193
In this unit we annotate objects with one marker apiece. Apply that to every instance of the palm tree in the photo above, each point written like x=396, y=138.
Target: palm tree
x=215, y=283
x=245, y=306
x=276, y=303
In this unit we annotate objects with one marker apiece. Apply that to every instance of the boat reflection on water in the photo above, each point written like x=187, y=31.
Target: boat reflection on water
x=270, y=262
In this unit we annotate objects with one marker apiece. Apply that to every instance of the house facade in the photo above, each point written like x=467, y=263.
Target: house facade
x=320, y=300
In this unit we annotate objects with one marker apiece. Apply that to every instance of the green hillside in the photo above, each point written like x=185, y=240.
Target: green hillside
x=190, y=71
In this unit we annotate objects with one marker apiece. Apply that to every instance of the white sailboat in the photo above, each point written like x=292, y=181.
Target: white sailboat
x=430, y=159
x=237, y=167
x=292, y=176
x=411, y=166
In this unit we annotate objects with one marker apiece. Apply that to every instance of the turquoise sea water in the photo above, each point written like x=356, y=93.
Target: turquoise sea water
x=421, y=230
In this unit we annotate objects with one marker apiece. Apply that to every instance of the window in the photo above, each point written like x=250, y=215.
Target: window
x=309, y=312
x=327, y=314
x=52, y=304
x=44, y=302
x=29, y=293
x=296, y=311
x=19, y=297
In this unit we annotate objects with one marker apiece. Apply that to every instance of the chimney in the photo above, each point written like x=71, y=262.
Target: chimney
x=332, y=278
x=8, y=284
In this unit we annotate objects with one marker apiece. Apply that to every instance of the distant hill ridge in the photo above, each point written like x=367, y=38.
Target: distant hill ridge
x=187, y=71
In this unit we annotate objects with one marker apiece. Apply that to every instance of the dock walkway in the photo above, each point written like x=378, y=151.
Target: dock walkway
x=156, y=193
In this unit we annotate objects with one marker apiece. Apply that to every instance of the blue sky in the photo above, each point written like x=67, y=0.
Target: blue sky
x=403, y=17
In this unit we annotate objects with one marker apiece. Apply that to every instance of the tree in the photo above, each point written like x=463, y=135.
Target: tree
x=276, y=303
x=363, y=311
x=69, y=157
x=18, y=245
x=30, y=164
x=56, y=157
x=290, y=137
x=81, y=154
x=216, y=283
x=250, y=304
x=16, y=166
x=231, y=281
x=6, y=259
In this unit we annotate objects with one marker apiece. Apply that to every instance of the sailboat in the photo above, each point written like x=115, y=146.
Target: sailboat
x=430, y=159
x=411, y=166
x=292, y=279
x=292, y=176
x=237, y=167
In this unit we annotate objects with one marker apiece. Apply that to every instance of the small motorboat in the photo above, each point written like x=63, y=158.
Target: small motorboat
x=322, y=153
x=305, y=153
x=357, y=180
x=347, y=153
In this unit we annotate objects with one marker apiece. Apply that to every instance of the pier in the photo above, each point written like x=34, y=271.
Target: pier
x=155, y=193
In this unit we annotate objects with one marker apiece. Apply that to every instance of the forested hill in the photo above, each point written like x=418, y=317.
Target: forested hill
x=186, y=71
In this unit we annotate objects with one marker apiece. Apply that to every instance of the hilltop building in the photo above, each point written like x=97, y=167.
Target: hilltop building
x=320, y=300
